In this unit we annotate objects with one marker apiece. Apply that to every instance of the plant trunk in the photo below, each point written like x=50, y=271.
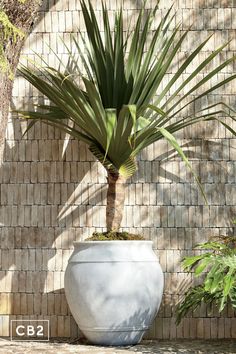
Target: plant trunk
x=115, y=201
x=22, y=15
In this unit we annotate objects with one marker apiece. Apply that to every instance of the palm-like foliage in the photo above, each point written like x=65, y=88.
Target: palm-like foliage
x=113, y=114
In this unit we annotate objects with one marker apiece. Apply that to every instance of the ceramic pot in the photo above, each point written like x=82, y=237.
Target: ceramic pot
x=114, y=290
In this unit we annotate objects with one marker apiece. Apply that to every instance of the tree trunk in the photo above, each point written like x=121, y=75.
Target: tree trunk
x=22, y=15
x=115, y=201
x=6, y=84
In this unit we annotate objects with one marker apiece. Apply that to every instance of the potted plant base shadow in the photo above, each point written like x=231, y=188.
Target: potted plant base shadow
x=114, y=290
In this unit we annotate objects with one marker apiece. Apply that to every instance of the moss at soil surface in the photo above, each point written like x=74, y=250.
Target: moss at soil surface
x=114, y=236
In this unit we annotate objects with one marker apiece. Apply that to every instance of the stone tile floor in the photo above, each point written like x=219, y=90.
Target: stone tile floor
x=147, y=347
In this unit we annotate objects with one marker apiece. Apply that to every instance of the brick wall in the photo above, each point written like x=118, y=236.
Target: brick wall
x=53, y=192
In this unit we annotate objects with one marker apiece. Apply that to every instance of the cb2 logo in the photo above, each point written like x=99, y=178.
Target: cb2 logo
x=30, y=330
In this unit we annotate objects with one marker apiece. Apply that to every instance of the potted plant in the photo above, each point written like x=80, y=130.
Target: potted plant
x=217, y=268
x=114, y=283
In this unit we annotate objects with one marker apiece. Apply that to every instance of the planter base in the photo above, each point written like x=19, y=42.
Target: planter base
x=117, y=337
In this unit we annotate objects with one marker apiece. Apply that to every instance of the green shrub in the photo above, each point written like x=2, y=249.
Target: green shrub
x=218, y=267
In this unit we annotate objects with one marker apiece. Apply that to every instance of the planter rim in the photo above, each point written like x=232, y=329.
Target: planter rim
x=75, y=243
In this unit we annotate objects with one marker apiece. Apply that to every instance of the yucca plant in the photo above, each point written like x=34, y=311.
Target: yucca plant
x=121, y=108
x=217, y=266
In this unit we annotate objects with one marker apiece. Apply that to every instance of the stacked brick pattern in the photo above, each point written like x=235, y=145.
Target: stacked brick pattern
x=53, y=192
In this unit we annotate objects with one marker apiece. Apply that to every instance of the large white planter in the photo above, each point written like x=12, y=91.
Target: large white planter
x=114, y=289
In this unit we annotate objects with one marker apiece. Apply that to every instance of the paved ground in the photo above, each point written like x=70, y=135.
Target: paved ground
x=146, y=347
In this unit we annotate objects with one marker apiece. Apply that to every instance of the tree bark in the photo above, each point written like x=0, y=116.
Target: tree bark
x=23, y=16
x=115, y=201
